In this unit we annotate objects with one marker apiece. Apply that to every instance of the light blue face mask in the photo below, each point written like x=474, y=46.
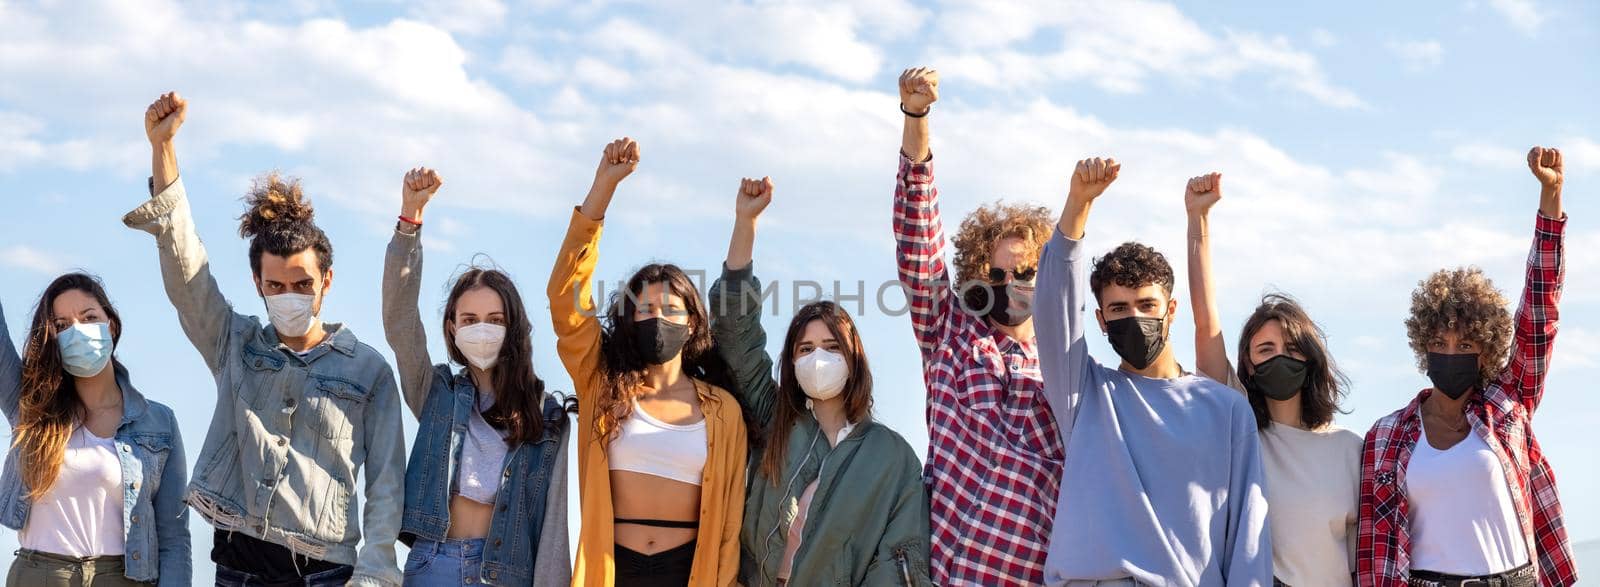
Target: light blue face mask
x=85, y=348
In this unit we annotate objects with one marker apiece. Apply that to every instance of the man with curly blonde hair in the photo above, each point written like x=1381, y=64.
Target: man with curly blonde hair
x=1454, y=487
x=994, y=456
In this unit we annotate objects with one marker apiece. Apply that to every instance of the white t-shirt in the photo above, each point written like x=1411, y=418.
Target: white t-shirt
x=1462, y=518
x=1313, y=487
x=81, y=514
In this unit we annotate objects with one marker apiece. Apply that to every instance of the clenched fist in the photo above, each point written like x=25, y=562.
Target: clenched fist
x=754, y=195
x=1546, y=164
x=1092, y=177
x=1202, y=193
x=919, y=89
x=417, y=190
x=621, y=157
x=163, y=117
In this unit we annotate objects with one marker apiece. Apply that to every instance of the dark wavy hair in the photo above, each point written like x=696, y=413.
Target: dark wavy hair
x=622, y=369
x=1133, y=265
x=279, y=221
x=1326, y=386
x=48, y=407
x=790, y=402
x=519, y=393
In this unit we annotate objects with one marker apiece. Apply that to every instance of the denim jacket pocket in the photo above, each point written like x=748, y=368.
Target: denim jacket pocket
x=260, y=368
x=152, y=450
x=331, y=406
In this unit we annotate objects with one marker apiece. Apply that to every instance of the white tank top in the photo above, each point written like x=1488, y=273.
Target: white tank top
x=650, y=446
x=483, y=456
x=1462, y=518
x=81, y=514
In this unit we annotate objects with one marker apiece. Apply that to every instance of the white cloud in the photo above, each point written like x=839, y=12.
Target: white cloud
x=1418, y=55
x=28, y=258
x=1580, y=155
x=1117, y=46
x=1482, y=154
x=1324, y=38
x=1522, y=14
x=468, y=17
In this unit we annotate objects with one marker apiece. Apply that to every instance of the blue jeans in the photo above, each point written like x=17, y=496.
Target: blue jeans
x=227, y=577
x=452, y=563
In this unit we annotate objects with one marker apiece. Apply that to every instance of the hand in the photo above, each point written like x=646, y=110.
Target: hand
x=620, y=159
x=754, y=195
x=1546, y=165
x=1092, y=177
x=163, y=117
x=919, y=89
x=1202, y=193
x=417, y=190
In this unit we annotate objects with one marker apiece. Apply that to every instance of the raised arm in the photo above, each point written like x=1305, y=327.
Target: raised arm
x=1537, y=316
x=1062, y=291
x=10, y=371
x=402, y=284
x=1210, y=350
x=918, y=230
x=571, y=288
x=735, y=301
x=206, y=317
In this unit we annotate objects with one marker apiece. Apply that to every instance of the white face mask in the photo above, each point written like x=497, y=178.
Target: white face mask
x=481, y=343
x=85, y=348
x=822, y=374
x=291, y=314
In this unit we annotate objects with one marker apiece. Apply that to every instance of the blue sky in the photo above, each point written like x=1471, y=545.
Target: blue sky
x=1363, y=145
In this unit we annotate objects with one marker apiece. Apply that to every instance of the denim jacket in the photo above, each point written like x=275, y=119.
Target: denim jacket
x=527, y=541
x=290, y=434
x=150, y=450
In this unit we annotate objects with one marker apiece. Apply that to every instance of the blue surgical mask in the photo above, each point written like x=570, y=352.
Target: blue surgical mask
x=85, y=348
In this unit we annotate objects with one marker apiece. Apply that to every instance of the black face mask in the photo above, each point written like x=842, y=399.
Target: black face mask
x=1280, y=378
x=658, y=340
x=1454, y=375
x=1137, y=339
x=993, y=301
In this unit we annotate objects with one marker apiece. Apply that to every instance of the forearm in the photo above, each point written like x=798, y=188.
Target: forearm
x=741, y=246
x=1075, y=216
x=1550, y=201
x=598, y=200
x=914, y=139
x=163, y=164
x=1211, y=355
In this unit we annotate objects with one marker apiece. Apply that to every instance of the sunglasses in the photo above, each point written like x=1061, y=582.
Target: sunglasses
x=1025, y=274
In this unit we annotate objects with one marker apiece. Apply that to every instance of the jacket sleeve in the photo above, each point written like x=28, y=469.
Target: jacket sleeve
x=402, y=322
x=902, y=554
x=553, y=561
x=1059, y=301
x=1247, y=556
x=736, y=326
x=376, y=562
x=10, y=372
x=1537, y=316
x=206, y=317
x=175, y=563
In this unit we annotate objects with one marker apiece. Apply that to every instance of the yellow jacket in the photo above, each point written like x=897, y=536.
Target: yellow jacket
x=577, y=328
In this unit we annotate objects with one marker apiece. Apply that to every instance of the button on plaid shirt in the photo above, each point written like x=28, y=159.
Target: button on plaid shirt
x=994, y=458
x=1500, y=415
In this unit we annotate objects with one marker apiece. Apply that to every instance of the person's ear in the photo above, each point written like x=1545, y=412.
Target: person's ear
x=1101, y=318
x=327, y=281
x=256, y=280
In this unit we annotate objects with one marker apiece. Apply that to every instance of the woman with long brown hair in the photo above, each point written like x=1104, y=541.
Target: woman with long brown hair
x=486, y=486
x=1312, y=466
x=661, y=443
x=868, y=523
x=95, y=476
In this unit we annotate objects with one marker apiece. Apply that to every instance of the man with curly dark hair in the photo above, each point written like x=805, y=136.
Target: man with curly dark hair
x=994, y=451
x=303, y=408
x=1454, y=487
x=1163, y=478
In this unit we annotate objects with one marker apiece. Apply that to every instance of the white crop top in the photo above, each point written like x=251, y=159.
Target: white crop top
x=652, y=447
x=483, y=456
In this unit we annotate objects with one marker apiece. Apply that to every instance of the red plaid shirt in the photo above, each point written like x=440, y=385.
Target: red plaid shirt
x=994, y=451
x=1501, y=415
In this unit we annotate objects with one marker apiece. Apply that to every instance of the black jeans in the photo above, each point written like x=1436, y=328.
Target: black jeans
x=668, y=568
x=245, y=561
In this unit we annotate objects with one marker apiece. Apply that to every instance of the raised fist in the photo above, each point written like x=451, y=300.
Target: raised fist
x=1202, y=193
x=754, y=195
x=621, y=157
x=1092, y=177
x=417, y=190
x=1545, y=163
x=919, y=89
x=164, y=116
